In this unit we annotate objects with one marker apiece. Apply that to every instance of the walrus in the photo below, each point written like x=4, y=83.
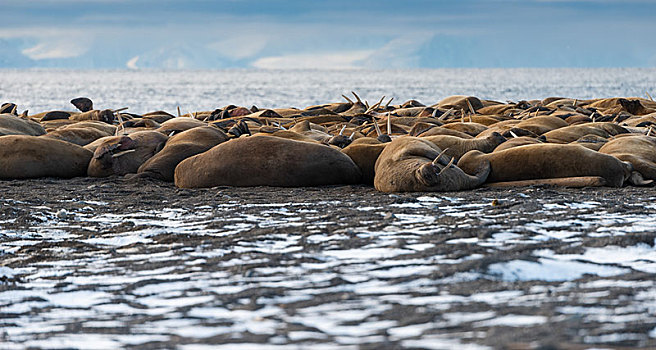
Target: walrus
x=120, y=155
x=518, y=141
x=412, y=164
x=263, y=160
x=15, y=125
x=25, y=157
x=471, y=129
x=180, y=147
x=105, y=115
x=364, y=152
x=547, y=161
x=459, y=102
x=542, y=124
x=177, y=125
x=104, y=127
x=456, y=147
x=639, y=150
x=79, y=136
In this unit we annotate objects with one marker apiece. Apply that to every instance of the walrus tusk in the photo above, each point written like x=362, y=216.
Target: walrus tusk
x=437, y=159
x=120, y=126
x=388, y=103
x=446, y=114
x=120, y=109
x=172, y=133
x=179, y=114
x=389, y=124
x=434, y=114
x=351, y=137
x=122, y=153
x=649, y=131
x=447, y=166
x=648, y=95
x=13, y=110
x=377, y=129
x=341, y=132
x=462, y=115
x=356, y=96
x=580, y=181
x=348, y=99
x=471, y=109
x=513, y=134
x=576, y=100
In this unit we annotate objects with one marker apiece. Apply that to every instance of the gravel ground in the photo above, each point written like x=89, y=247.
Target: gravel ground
x=109, y=263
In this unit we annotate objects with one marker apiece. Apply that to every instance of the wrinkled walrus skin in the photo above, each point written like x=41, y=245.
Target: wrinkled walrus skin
x=411, y=164
x=267, y=161
x=180, y=147
x=25, y=157
x=547, y=161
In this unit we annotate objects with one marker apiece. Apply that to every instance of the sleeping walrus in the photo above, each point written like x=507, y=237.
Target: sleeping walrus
x=24, y=157
x=547, y=161
x=267, y=161
x=410, y=164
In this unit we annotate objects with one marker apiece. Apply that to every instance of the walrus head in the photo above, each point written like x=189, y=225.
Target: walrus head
x=632, y=106
x=117, y=148
x=106, y=115
x=442, y=175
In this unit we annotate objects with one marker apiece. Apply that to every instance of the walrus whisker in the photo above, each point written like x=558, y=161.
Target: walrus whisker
x=122, y=153
x=348, y=99
x=436, y=160
x=341, y=132
x=447, y=166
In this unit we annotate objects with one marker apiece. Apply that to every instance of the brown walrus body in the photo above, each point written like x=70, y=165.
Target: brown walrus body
x=639, y=150
x=120, y=155
x=180, y=147
x=546, y=161
x=24, y=157
x=412, y=164
x=457, y=147
x=78, y=136
x=267, y=161
x=15, y=125
x=364, y=154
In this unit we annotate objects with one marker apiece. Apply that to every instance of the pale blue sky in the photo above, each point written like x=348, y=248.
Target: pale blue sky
x=327, y=34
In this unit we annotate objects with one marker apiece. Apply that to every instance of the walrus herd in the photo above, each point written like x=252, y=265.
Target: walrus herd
x=458, y=143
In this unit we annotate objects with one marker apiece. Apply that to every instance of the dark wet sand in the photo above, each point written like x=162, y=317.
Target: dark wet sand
x=428, y=280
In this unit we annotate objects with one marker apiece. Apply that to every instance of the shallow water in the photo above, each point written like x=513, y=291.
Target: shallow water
x=149, y=90
x=340, y=267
